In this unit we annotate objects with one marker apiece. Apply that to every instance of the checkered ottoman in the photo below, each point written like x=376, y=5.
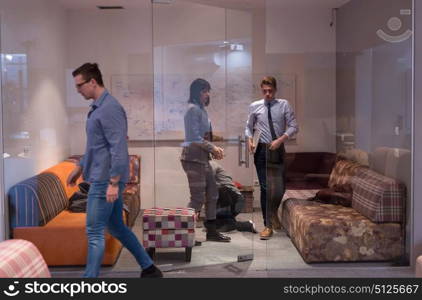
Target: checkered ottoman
x=168, y=228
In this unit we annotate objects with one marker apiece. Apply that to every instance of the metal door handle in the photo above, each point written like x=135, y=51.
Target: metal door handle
x=243, y=151
x=239, y=150
x=246, y=153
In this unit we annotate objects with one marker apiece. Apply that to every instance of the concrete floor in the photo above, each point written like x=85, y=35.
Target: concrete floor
x=276, y=257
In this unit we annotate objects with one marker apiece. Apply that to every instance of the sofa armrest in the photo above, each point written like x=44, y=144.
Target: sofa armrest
x=21, y=259
x=132, y=202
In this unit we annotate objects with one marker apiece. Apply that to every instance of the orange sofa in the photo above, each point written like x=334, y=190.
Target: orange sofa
x=38, y=213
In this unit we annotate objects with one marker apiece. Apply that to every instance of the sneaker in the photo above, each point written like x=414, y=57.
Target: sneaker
x=266, y=233
x=151, y=272
x=253, y=227
x=247, y=226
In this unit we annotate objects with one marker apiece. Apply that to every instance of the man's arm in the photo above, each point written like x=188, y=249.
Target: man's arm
x=114, y=126
x=250, y=122
x=193, y=123
x=292, y=128
x=74, y=175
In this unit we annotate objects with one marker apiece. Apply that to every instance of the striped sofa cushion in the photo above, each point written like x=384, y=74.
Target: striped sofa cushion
x=21, y=259
x=37, y=200
x=377, y=197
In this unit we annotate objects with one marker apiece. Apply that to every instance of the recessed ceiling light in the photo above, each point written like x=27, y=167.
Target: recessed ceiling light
x=162, y=1
x=109, y=7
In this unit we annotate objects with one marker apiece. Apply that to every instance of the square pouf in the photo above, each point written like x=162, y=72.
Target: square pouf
x=169, y=228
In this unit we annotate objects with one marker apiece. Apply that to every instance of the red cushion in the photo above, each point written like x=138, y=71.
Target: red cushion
x=237, y=184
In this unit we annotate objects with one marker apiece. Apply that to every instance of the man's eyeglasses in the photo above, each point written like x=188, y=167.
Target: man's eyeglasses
x=79, y=85
x=265, y=91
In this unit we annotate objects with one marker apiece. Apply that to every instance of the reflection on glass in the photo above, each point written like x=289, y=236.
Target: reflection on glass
x=15, y=104
x=197, y=152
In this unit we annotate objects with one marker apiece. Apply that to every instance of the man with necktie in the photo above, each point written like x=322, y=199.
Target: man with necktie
x=271, y=121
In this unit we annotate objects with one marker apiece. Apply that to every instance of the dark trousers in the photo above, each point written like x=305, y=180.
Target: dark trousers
x=271, y=181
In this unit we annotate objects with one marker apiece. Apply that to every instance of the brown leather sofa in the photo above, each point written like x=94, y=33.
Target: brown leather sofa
x=38, y=213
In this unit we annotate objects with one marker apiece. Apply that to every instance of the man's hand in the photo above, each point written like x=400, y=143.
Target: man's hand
x=277, y=143
x=73, y=177
x=251, y=146
x=217, y=153
x=112, y=193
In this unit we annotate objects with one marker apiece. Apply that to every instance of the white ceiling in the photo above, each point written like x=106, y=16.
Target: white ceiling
x=234, y=4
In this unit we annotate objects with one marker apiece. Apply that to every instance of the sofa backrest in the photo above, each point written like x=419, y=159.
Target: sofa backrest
x=134, y=167
x=356, y=155
x=377, y=197
x=392, y=162
x=310, y=162
x=62, y=171
x=342, y=174
x=37, y=200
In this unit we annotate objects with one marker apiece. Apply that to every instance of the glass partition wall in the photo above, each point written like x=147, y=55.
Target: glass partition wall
x=204, y=48
x=348, y=83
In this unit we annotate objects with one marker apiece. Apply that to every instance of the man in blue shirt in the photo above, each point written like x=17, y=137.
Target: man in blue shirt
x=270, y=123
x=106, y=166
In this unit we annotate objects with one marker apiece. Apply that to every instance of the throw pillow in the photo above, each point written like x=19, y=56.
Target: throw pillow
x=330, y=196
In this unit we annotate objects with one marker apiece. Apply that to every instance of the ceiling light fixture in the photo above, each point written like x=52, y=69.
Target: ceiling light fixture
x=109, y=7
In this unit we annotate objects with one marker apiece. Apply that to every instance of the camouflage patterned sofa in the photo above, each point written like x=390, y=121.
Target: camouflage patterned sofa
x=369, y=228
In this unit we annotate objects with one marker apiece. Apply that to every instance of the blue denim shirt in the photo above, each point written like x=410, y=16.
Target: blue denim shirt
x=106, y=153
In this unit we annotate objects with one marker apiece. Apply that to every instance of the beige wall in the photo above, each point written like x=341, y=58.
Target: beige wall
x=33, y=101
x=280, y=47
x=33, y=92
x=373, y=76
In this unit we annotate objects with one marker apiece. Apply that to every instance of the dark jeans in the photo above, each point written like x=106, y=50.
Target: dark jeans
x=271, y=181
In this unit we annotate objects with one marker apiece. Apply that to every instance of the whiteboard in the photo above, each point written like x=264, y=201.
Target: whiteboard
x=155, y=105
x=134, y=92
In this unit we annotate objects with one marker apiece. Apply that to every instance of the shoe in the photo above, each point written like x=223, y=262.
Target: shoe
x=248, y=226
x=212, y=233
x=215, y=236
x=226, y=228
x=275, y=222
x=266, y=233
x=151, y=272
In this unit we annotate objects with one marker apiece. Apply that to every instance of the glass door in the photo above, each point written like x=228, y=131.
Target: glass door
x=201, y=158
